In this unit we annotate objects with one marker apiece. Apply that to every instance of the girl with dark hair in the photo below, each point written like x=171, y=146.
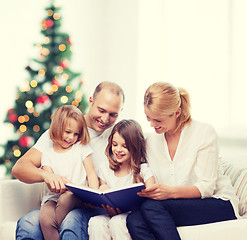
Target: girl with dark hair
x=126, y=153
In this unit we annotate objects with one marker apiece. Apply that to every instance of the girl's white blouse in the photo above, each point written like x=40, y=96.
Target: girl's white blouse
x=195, y=162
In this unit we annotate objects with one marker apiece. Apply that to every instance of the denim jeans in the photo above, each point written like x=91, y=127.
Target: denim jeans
x=73, y=227
x=158, y=220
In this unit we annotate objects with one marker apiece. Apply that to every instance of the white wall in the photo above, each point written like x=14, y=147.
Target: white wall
x=199, y=45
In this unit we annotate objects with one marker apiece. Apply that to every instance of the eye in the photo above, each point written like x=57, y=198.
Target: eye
x=101, y=110
x=114, y=115
x=114, y=144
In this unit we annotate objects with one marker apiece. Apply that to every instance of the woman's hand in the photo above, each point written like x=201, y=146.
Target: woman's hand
x=158, y=192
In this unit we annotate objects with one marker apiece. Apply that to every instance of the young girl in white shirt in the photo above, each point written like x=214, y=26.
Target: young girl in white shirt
x=70, y=160
x=183, y=156
x=126, y=153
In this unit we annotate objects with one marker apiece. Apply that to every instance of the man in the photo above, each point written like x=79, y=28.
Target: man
x=104, y=108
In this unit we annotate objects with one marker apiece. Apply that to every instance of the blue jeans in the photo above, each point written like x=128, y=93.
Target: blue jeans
x=73, y=227
x=158, y=220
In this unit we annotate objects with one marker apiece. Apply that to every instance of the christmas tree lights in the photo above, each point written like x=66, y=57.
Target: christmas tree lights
x=51, y=84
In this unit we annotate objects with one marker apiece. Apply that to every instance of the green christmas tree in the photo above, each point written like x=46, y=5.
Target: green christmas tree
x=51, y=84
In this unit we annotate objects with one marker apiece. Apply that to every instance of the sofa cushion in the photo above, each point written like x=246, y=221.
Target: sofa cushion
x=226, y=230
x=238, y=178
x=7, y=230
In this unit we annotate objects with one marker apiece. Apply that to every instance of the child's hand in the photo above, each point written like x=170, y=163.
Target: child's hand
x=111, y=211
x=103, y=187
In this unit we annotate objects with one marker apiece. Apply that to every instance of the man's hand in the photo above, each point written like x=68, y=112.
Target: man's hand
x=55, y=182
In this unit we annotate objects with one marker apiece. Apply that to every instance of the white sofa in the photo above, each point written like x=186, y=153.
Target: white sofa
x=17, y=198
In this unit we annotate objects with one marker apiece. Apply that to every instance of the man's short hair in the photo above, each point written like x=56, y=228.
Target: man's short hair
x=112, y=87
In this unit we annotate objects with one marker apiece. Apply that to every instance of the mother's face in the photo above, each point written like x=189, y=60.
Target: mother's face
x=161, y=123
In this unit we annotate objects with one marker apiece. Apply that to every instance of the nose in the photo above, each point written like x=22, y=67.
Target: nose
x=118, y=149
x=152, y=123
x=105, y=118
x=71, y=135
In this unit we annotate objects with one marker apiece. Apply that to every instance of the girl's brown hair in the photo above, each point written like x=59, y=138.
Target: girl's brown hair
x=132, y=133
x=164, y=99
x=61, y=118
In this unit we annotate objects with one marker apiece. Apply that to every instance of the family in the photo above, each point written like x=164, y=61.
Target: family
x=178, y=164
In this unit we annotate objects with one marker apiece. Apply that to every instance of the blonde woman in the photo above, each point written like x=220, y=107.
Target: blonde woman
x=70, y=158
x=183, y=156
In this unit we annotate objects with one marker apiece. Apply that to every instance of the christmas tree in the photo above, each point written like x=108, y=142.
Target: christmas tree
x=50, y=84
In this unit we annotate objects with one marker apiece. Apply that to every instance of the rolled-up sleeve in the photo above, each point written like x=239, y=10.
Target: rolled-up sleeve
x=206, y=166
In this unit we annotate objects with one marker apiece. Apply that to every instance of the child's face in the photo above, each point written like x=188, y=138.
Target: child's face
x=119, y=149
x=70, y=134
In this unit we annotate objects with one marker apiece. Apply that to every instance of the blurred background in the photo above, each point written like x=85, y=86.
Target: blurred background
x=198, y=45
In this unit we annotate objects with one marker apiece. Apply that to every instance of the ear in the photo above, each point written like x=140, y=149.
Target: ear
x=90, y=100
x=178, y=112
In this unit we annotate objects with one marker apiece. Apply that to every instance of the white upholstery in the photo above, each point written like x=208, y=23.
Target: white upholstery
x=17, y=198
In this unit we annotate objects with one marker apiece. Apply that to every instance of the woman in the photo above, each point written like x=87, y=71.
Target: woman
x=183, y=155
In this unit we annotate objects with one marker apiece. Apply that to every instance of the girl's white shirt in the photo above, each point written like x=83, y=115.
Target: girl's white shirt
x=108, y=175
x=68, y=164
x=195, y=162
x=98, y=143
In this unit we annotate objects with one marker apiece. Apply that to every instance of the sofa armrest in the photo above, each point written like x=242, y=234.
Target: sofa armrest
x=18, y=198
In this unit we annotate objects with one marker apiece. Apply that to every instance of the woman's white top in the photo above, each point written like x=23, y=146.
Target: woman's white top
x=68, y=164
x=195, y=162
x=108, y=176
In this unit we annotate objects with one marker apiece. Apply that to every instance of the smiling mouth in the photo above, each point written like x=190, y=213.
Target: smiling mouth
x=119, y=156
x=102, y=125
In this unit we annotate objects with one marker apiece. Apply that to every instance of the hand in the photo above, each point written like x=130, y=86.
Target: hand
x=55, y=182
x=89, y=205
x=111, y=211
x=157, y=192
x=103, y=187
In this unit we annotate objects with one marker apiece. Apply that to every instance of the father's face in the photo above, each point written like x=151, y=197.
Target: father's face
x=104, y=110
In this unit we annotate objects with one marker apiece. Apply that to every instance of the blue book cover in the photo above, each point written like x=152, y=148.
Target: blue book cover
x=126, y=199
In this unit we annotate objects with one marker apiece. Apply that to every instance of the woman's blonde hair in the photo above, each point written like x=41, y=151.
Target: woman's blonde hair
x=61, y=118
x=132, y=134
x=164, y=99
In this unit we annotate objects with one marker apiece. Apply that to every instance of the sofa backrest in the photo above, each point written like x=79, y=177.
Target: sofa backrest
x=18, y=198
x=238, y=177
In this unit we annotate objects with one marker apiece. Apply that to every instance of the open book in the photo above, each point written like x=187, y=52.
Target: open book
x=126, y=199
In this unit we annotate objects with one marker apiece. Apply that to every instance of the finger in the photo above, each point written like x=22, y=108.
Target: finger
x=57, y=186
x=111, y=211
x=51, y=186
x=118, y=211
x=105, y=208
x=150, y=189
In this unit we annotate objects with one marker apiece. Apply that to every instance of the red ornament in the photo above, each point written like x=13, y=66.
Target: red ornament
x=56, y=82
x=42, y=99
x=11, y=110
x=68, y=40
x=49, y=23
x=26, y=141
x=12, y=117
x=64, y=64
